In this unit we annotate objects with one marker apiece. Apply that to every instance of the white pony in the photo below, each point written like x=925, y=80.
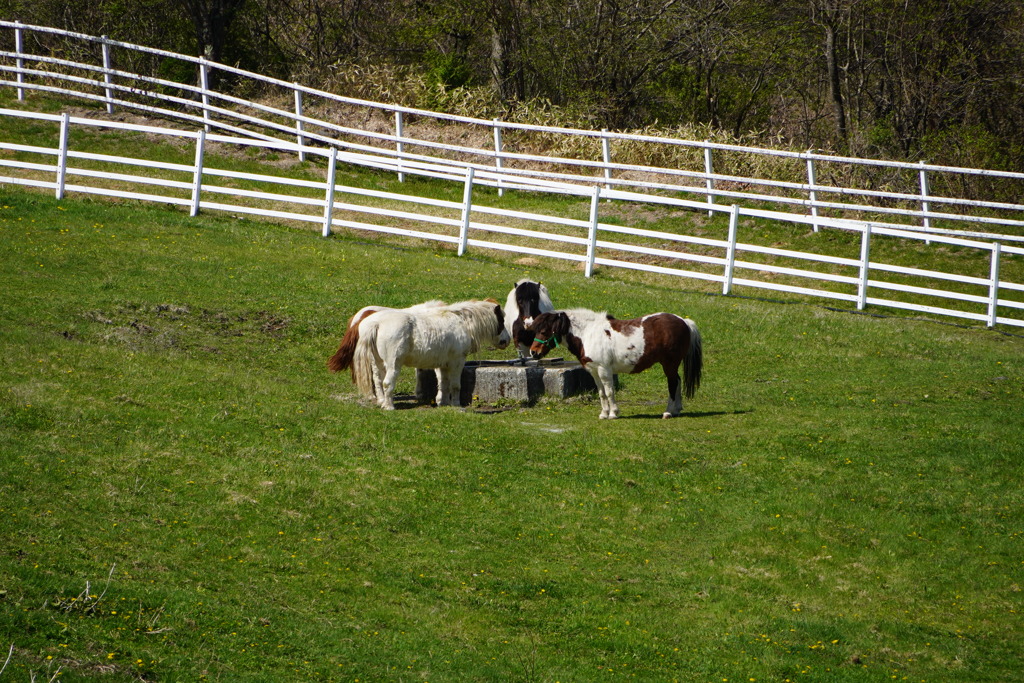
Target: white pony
x=526, y=301
x=342, y=358
x=434, y=337
x=605, y=346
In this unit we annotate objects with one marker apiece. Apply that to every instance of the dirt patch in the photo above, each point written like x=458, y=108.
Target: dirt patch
x=143, y=327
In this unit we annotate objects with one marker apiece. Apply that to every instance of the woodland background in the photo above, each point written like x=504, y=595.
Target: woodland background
x=934, y=80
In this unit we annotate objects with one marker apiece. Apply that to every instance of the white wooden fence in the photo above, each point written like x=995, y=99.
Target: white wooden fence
x=987, y=298
x=890, y=194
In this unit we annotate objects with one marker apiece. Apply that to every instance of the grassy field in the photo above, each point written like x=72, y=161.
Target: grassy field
x=187, y=494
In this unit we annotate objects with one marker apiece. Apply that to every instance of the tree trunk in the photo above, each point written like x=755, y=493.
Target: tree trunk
x=834, y=81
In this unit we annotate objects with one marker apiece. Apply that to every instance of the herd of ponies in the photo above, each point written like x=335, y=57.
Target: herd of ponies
x=380, y=341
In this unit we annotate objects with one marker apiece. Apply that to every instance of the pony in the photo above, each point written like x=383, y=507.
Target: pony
x=343, y=356
x=605, y=346
x=434, y=337
x=525, y=301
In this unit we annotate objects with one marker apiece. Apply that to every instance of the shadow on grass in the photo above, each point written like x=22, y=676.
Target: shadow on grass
x=710, y=413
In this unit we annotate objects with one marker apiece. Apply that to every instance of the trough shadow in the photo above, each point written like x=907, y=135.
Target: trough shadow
x=409, y=402
x=710, y=413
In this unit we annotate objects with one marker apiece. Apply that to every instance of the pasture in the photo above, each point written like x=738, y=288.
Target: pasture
x=188, y=494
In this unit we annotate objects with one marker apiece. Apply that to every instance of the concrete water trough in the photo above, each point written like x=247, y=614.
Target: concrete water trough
x=490, y=381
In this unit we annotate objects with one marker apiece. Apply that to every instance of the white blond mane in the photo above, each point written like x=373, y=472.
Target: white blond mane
x=477, y=317
x=584, y=317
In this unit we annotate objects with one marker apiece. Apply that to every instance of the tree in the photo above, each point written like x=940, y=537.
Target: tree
x=211, y=20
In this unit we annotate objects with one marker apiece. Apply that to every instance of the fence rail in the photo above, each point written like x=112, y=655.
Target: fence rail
x=917, y=197
x=991, y=299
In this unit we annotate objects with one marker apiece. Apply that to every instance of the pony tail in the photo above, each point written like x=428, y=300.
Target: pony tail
x=363, y=362
x=343, y=357
x=693, y=364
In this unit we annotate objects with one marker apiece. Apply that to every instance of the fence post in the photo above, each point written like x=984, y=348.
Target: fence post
x=298, y=122
x=497, y=156
x=812, y=194
x=399, y=147
x=332, y=169
x=993, y=303
x=19, y=48
x=467, y=204
x=865, y=263
x=709, y=181
x=197, y=172
x=606, y=152
x=925, y=205
x=592, y=237
x=204, y=85
x=62, y=155
x=107, y=79
x=730, y=255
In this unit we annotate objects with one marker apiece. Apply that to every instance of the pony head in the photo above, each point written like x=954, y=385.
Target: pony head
x=549, y=329
x=526, y=300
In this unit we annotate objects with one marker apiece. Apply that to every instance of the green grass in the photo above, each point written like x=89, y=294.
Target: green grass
x=187, y=494
x=839, y=502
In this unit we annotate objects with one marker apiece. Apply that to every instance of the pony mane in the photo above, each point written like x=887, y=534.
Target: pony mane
x=478, y=316
x=585, y=316
x=512, y=306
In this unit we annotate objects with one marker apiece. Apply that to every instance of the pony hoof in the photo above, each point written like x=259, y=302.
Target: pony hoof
x=666, y=416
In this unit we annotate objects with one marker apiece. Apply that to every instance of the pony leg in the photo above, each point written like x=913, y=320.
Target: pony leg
x=387, y=401
x=600, y=390
x=441, y=377
x=606, y=388
x=444, y=378
x=455, y=382
x=608, y=378
x=378, y=369
x=675, y=395
x=378, y=380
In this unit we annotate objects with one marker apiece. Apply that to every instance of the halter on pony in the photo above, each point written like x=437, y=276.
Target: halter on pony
x=550, y=340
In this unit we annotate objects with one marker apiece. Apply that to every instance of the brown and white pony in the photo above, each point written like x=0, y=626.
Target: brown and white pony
x=606, y=346
x=437, y=337
x=526, y=301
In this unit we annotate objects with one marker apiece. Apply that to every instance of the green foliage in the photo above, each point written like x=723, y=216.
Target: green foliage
x=448, y=70
x=921, y=79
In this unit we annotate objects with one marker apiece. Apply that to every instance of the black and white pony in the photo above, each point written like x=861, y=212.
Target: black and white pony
x=526, y=301
x=606, y=346
x=424, y=337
